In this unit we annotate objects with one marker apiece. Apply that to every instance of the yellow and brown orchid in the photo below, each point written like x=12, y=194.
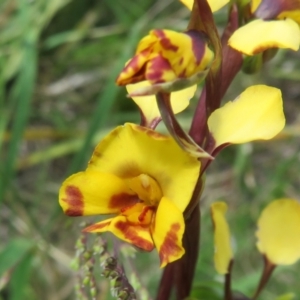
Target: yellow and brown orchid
x=169, y=61
x=145, y=179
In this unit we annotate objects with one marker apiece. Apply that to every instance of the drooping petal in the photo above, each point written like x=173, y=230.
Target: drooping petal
x=168, y=231
x=93, y=192
x=223, y=251
x=180, y=100
x=214, y=4
x=256, y=114
x=131, y=150
x=278, y=232
x=272, y=34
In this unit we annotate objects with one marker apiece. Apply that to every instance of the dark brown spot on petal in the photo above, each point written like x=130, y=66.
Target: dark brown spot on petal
x=123, y=200
x=156, y=68
x=131, y=233
x=95, y=227
x=164, y=41
x=150, y=132
x=146, y=209
x=138, y=65
x=74, y=200
x=198, y=44
x=97, y=153
x=169, y=246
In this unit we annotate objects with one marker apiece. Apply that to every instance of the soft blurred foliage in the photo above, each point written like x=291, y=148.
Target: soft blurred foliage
x=58, y=63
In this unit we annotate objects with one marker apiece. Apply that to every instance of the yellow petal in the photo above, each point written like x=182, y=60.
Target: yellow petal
x=92, y=192
x=272, y=34
x=256, y=114
x=131, y=150
x=214, y=4
x=132, y=233
x=223, y=252
x=279, y=232
x=168, y=231
x=292, y=14
x=179, y=100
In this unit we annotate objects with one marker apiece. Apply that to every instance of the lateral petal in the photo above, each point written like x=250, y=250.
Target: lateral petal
x=223, y=251
x=93, y=192
x=278, y=231
x=272, y=34
x=131, y=150
x=256, y=114
x=168, y=231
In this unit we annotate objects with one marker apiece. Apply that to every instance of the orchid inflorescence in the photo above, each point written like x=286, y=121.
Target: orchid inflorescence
x=150, y=183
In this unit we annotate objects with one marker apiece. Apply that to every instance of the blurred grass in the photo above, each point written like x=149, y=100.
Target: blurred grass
x=58, y=63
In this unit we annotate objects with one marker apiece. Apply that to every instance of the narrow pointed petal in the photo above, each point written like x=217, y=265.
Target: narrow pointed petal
x=223, y=251
x=257, y=114
x=134, y=234
x=131, y=150
x=147, y=104
x=102, y=226
x=168, y=231
x=272, y=34
x=214, y=4
x=92, y=192
x=278, y=232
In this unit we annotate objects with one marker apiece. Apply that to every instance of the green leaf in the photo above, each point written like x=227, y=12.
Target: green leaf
x=13, y=253
x=20, y=278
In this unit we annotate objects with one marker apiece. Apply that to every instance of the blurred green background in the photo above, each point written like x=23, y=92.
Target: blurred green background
x=58, y=63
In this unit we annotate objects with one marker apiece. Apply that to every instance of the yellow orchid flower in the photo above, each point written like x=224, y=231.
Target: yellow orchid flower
x=279, y=232
x=145, y=179
x=214, y=4
x=148, y=105
x=223, y=251
x=257, y=114
x=284, y=32
x=169, y=60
